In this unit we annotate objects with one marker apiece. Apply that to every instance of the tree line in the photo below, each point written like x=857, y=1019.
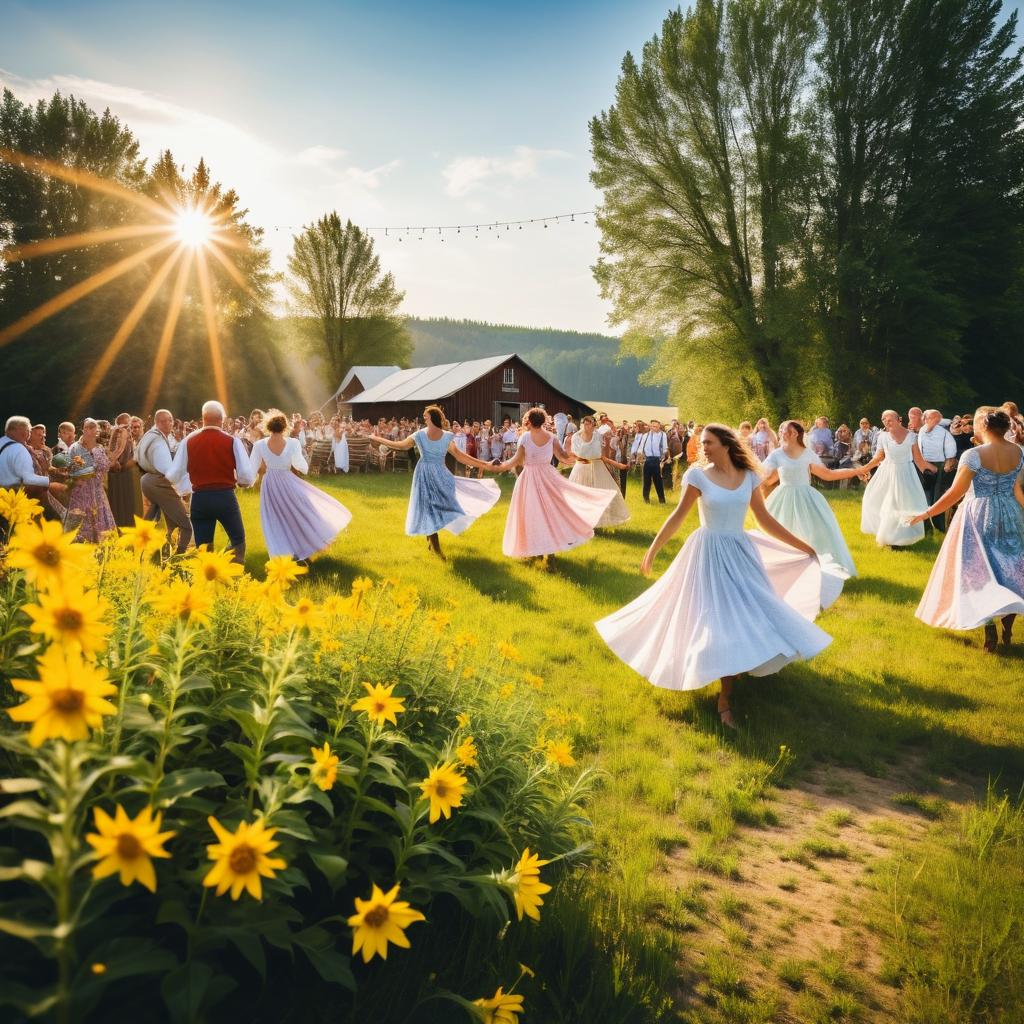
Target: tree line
x=817, y=205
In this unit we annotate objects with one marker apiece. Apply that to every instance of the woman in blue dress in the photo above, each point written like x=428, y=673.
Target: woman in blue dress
x=978, y=577
x=439, y=499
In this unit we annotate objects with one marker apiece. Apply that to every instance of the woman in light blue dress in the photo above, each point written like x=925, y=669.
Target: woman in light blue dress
x=796, y=504
x=439, y=499
x=979, y=574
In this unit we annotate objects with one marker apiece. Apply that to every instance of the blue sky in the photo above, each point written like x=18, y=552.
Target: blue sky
x=391, y=113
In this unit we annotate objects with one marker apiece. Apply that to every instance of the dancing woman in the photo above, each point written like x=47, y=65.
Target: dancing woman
x=440, y=500
x=590, y=470
x=731, y=601
x=895, y=491
x=87, y=506
x=796, y=504
x=979, y=574
x=298, y=519
x=764, y=440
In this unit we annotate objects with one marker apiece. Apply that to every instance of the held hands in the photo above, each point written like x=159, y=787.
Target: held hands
x=914, y=520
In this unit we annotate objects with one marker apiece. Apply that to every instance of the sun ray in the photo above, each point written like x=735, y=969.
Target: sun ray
x=78, y=291
x=210, y=312
x=30, y=250
x=77, y=176
x=123, y=333
x=163, y=350
x=228, y=264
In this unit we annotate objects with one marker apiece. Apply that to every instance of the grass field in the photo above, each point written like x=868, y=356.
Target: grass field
x=870, y=871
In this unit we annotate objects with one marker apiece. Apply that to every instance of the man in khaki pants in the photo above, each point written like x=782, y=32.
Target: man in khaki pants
x=153, y=454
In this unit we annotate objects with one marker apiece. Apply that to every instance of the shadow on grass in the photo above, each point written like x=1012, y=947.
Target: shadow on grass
x=493, y=579
x=888, y=590
x=606, y=580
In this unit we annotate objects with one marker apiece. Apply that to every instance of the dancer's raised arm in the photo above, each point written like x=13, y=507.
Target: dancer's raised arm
x=399, y=446
x=773, y=527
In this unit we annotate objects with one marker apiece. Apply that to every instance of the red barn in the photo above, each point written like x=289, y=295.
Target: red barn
x=477, y=389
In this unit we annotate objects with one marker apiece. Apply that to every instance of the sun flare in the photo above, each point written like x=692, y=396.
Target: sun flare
x=193, y=227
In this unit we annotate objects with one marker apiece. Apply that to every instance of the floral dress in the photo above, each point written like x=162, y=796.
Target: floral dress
x=88, y=508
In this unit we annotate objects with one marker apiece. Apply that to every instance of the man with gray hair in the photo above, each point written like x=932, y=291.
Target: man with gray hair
x=154, y=457
x=17, y=470
x=216, y=462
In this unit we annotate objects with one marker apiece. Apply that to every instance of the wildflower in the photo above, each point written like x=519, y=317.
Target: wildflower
x=467, y=672
x=527, y=888
x=334, y=606
x=467, y=753
x=379, y=705
x=559, y=752
x=213, y=566
x=304, y=614
x=501, y=1008
x=46, y=553
x=360, y=585
x=128, y=845
x=463, y=719
x=439, y=621
x=71, y=616
x=537, y=682
x=190, y=602
x=144, y=538
x=379, y=920
x=17, y=507
x=507, y=651
x=98, y=968
x=241, y=858
x=325, y=767
x=284, y=571
x=463, y=640
x=66, y=701
x=523, y=969
x=506, y=691
x=443, y=787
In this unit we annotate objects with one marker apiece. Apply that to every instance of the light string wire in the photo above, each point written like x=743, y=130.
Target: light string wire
x=423, y=230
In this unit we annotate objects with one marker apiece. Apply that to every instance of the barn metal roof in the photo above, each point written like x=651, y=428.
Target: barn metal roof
x=428, y=383
x=369, y=376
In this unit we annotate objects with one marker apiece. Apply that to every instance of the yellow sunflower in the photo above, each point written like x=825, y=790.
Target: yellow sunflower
x=17, y=507
x=379, y=705
x=463, y=719
x=304, y=614
x=443, y=788
x=559, y=752
x=508, y=652
x=71, y=616
x=467, y=753
x=526, y=886
x=190, y=602
x=501, y=1008
x=66, y=701
x=439, y=621
x=144, y=538
x=537, y=682
x=213, y=566
x=379, y=920
x=241, y=858
x=324, y=772
x=284, y=571
x=127, y=845
x=47, y=554
x=360, y=586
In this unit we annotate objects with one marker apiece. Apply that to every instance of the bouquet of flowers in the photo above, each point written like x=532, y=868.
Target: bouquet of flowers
x=80, y=469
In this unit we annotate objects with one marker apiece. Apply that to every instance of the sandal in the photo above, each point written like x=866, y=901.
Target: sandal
x=725, y=716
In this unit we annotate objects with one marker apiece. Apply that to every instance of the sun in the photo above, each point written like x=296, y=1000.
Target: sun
x=193, y=227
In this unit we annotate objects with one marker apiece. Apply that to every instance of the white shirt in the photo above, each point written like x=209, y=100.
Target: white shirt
x=153, y=453
x=936, y=444
x=244, y=475
x=61, y=446
x=650, y=444
x=510, y=436
x=604, y=429
x=16, y=466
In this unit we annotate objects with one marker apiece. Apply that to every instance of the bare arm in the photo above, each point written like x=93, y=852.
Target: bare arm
x=876, y=460
x=561, y=454
x=925, y=467
x=770, y=480
x=671, y=525
x=960, y=486
x=773, y=527
x=399, y=446
x=824, y=473
x=518, y=459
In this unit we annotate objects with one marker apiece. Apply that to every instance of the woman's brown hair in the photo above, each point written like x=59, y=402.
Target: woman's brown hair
x=275, y=421
x=435, y=414
x=537, y=417
x=739, y=454
x=797, y=426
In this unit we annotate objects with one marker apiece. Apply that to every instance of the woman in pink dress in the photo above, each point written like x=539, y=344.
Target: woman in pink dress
x=548, y=513
x=88, y=508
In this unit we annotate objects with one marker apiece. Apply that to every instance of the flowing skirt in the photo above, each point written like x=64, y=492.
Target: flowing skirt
x=548, y=513
x=804, y=511
x=121, y=488
x=893, y=493
x=728, y=603
x=298, y=519
x=442, y=501
x=979, y=574
x=341, y=455
x=595, y=474
x=88, y=510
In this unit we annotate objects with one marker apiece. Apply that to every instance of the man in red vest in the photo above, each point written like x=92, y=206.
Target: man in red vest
x=216, y=463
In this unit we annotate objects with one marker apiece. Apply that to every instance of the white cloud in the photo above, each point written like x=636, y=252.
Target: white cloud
x=320, y=156
x=373, y=177
x=468, y=173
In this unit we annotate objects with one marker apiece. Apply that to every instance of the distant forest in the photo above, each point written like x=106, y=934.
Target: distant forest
x=583, y=365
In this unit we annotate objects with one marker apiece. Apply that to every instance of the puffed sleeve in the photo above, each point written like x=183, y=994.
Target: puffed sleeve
x=971, y=459
x=256, y=458
x=244, y=475
x=694, y=477
x=298, y=457
x=771, y=460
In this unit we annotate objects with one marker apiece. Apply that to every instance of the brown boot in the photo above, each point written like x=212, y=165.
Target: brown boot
x=1008, y=629
x=991, y=638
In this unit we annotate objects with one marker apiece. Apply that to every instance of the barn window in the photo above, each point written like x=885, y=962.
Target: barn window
x=510, y=375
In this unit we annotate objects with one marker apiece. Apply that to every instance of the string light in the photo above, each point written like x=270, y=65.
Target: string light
x=457, y=228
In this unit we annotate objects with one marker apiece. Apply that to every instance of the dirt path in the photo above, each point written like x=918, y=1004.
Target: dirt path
x=788, y=940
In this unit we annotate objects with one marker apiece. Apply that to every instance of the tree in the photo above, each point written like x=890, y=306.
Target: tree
x=336, y=278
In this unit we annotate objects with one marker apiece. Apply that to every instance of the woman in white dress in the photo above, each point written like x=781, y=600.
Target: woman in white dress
x=731, y=601
x=796, y=504
x=339, y=435
x=298, y=519
x=590, y=470
x=894, y=494
x=764, y=440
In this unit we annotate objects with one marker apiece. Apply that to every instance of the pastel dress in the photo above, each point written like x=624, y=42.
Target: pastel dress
x=549, y=513
x=340, y=447
x=298, y=519
x=732, y=601
x=88, y=509
x=893, y=494
x=979, y=574
x=439, y=499
x=590, y=471
x=803, y=510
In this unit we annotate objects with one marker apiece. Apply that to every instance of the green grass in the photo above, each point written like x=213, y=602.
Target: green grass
x=888, y=692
